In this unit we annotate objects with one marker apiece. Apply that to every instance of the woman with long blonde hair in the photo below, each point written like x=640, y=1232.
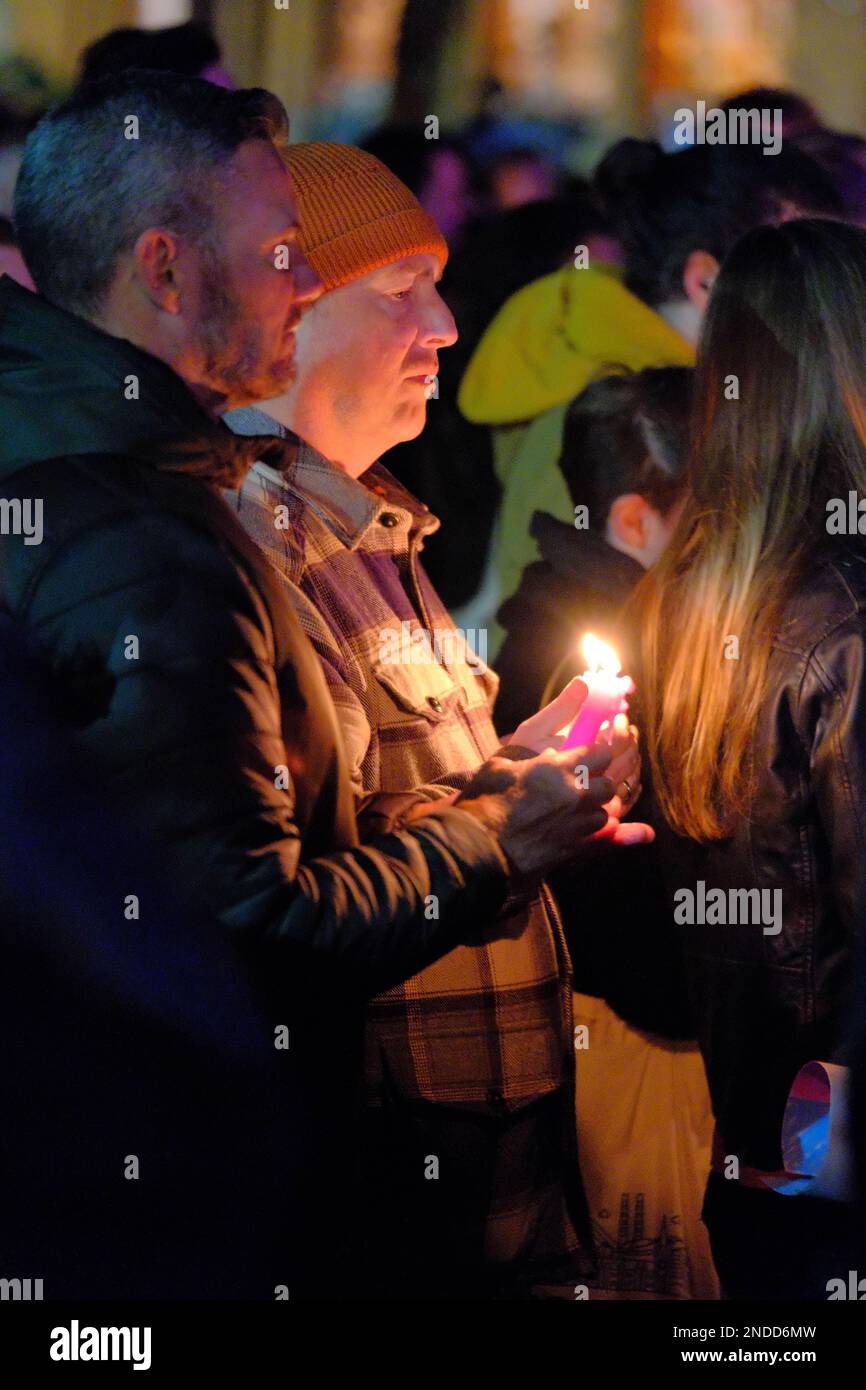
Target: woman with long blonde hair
x=753, y=633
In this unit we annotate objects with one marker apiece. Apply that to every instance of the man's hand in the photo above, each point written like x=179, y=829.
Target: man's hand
x=542, y=817
x=543, y=731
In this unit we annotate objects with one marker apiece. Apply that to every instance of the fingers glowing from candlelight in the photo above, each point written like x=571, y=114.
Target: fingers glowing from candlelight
x=634, y=833
x=624, y=767
x=623, y=833
x=547, y=728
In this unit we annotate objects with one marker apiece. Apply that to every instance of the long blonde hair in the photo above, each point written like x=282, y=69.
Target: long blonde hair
x=779, y=428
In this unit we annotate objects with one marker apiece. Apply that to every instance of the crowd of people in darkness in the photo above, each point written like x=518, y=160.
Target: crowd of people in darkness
x=334, y=970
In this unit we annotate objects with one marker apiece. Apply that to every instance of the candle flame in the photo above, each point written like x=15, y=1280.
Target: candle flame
x=599, y=656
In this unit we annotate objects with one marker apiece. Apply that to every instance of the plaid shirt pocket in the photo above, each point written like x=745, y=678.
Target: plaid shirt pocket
x=433, y=699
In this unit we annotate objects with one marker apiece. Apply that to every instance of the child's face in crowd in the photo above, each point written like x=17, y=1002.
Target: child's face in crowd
x=366, y=356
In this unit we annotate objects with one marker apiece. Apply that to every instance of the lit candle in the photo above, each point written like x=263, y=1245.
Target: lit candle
x=605, y=696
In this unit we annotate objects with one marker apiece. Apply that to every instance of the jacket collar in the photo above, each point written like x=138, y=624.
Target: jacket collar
x=585, y=556
x=349, y=507
x=67, y=388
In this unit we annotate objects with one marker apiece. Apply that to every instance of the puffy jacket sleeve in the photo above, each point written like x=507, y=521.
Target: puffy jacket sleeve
x=161, y=655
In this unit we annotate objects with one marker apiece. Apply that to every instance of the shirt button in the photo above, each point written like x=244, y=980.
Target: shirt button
x=434, y=703
x=389, y=519
x=496, y=1098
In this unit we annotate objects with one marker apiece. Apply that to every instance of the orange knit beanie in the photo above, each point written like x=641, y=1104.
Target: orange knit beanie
x=355, y=215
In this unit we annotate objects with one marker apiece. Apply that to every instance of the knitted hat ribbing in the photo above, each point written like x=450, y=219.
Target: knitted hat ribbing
x=355, y=215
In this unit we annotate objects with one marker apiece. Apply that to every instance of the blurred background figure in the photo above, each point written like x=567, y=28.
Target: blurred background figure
x=842, y=156
x=799, y=116
x=441, y=173
x=843, y=159
x=11, y=262
x=521, y=176
x=189, y=49
x=675, y=217
x=25, y=93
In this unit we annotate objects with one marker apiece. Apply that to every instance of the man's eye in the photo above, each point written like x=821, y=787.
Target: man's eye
x=400, y=294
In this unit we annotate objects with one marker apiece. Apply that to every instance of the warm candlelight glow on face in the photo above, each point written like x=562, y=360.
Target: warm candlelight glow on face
x=599, y=656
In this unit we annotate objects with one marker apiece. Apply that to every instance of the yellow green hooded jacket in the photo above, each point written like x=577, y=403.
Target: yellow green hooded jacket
x=548, y=341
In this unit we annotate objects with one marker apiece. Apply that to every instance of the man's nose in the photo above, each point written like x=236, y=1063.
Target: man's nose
x=308, y=286
x=439, y=328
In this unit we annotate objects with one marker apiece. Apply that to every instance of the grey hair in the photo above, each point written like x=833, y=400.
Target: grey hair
x=92, y=179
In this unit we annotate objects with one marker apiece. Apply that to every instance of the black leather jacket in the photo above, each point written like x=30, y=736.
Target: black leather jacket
x=767, y=1000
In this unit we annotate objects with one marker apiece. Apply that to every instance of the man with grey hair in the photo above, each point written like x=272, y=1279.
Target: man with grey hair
x=158, y=222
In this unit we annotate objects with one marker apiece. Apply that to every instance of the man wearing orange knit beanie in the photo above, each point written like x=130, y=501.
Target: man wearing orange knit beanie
x=470, y=1185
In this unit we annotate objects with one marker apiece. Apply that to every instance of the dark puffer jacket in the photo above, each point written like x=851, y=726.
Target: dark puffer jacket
x=178, y=666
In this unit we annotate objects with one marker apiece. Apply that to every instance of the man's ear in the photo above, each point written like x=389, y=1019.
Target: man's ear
x=699, y=274
x=155, y=255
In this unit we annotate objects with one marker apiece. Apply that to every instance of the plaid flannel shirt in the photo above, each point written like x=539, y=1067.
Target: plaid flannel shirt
x=489, y=1025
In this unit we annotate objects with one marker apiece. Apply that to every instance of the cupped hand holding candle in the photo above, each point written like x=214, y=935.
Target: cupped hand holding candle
x=606, y=692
